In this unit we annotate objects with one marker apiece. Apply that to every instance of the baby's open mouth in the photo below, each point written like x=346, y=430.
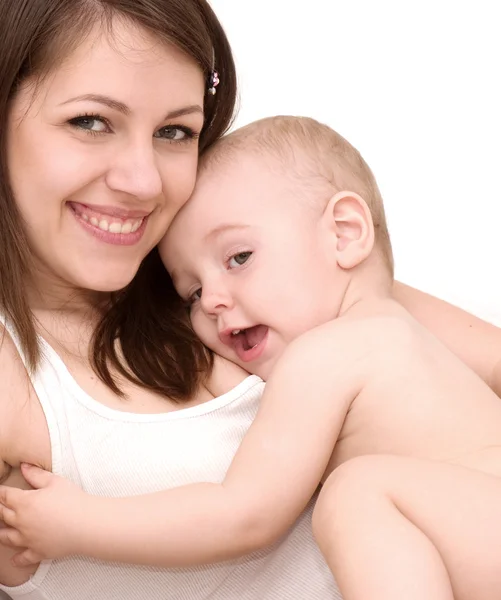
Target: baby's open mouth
x=248, y=343
x=249, y=338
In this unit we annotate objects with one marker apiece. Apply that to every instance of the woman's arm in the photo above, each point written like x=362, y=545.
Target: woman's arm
x=271, y=479
x=475, y=341
x=14, y=403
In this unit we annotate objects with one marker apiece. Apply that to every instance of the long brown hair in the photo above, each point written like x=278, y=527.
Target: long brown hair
x=158, y=347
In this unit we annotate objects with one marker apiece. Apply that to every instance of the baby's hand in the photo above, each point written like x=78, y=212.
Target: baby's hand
x=46, y=521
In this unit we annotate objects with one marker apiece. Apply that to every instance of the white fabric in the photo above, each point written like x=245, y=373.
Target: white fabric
x=113, y=453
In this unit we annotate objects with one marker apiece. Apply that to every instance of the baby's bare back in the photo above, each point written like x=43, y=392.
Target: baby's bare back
x=418, y=400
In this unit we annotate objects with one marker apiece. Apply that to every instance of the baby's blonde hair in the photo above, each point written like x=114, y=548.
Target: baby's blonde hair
x=314, y=156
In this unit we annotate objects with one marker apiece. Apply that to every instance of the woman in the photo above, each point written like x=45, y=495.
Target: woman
x=104, y=107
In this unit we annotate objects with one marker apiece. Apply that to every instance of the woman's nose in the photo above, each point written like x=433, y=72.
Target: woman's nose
x=135, y=172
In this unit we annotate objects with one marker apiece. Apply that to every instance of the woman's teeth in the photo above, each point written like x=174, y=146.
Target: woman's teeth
x=114, y=227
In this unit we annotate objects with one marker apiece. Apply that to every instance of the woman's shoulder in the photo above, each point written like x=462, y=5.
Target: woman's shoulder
x=225, y=376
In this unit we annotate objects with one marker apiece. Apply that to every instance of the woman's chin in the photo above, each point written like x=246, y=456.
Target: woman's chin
x=106, y=285
x=102, y=279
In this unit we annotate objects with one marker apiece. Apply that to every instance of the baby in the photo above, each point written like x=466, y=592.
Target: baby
x=284, y=260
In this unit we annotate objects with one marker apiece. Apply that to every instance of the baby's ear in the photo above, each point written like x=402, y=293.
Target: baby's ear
x=349, y=218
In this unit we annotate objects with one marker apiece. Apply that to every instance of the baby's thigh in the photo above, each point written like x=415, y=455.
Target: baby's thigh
x=458, y=509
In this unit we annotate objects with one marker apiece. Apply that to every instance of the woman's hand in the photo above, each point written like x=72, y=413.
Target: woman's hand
x=46, y=521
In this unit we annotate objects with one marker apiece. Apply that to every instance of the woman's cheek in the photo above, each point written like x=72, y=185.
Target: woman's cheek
x=179, y=178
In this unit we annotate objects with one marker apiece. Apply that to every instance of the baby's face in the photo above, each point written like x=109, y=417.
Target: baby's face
x=250, y=261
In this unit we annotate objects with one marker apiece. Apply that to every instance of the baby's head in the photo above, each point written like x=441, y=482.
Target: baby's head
x=285, y=229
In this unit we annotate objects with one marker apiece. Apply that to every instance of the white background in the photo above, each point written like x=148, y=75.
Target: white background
x=415, y=86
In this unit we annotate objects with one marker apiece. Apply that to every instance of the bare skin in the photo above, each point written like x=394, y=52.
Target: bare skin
x=367, y=382
x=140, y=162
x=360, y=411
x=23, y=429
x=24, y=436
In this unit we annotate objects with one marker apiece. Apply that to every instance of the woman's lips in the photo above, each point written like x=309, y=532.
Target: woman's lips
x=121, y=228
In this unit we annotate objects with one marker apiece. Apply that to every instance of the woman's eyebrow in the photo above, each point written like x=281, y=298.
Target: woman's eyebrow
x=99, y=99
x=125, y=110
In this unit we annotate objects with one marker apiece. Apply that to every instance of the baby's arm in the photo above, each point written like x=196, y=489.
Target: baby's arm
x=272, y=477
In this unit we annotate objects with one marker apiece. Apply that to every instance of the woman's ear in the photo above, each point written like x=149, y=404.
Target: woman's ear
x=349, y=218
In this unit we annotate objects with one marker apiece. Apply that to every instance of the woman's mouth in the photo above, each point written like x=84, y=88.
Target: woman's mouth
x=111, y=225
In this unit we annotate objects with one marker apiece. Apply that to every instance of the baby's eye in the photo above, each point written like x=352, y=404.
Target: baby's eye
x=239, y=259
x=197, y=294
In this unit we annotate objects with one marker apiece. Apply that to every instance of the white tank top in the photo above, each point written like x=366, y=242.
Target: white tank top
x=114, y=453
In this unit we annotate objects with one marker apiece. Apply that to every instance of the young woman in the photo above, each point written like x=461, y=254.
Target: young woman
x=104, y=108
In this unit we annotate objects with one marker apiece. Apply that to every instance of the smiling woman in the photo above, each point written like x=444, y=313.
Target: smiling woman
x=117, y=158
x=84, y=75
x=105, y=106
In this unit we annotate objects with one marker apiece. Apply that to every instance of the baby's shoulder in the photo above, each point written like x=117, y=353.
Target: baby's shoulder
x=354, y=347
x=380, y=334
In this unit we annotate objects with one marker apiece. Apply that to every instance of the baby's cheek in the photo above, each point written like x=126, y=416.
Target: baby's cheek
x=205, y=330
x=212, y=341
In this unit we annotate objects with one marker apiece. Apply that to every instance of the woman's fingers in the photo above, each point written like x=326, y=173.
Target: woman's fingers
x=8, y=499
x=7, y=495
x=37, y=477
x=26, y=558
x=11, y=538
x=7, y=515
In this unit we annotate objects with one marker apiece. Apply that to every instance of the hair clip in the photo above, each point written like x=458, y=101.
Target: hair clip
x=213, y=82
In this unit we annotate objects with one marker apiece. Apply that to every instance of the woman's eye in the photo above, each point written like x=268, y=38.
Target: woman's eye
x=239, y=259
x=176, y=133
x=90, y=123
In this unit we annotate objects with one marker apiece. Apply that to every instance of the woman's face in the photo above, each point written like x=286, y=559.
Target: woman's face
x=101, y=156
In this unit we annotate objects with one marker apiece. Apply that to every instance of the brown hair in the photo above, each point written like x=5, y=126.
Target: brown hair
x=321, y=157
x=146, y=316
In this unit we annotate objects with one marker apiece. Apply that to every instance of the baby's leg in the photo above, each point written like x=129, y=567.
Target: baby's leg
x=393, y=527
